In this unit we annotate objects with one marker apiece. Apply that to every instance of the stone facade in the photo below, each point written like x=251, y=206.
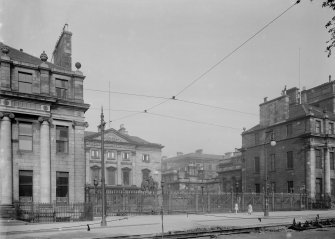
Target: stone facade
x=230, y=172
x=302, y=160
x=128, y=159
x=42, y=128
x=191, y=172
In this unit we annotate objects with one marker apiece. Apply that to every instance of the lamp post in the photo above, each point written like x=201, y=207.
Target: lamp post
x=266, y=207
x=103, y=188
x=162, y=207
x=95, y=183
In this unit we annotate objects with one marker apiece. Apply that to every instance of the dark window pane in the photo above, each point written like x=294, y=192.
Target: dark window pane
x=62, y=184
x=25, y=183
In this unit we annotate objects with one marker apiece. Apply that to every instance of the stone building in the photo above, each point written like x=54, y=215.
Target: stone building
x=128, y=159
x=41, y=126
x=191, y=172
x=302, y=160
x=230, y=172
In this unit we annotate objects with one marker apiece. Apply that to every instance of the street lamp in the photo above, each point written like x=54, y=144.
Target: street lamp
x=103, y=188
x=266, y=207
x=95, y=183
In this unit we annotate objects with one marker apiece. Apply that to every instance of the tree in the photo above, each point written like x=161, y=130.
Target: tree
x=330, y=25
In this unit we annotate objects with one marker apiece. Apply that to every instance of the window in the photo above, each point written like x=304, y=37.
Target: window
x=62, y=139
x=95, y=174
x=25, y=136
x=318, y=127
x=256, y=138
x=318, y=159
x=62, y=184
x=257, y=188
x=318, y=187
x=257, y=165
x=110, y=155
x=273, y=187
x=25, y=82
x=61, y=88
x=332, y=186
x=125, y=155
x=95, y=154
x=273, y=162
x=290, y=188
x=145, y=158
x=126, y=177
x=145, y=174
x=332, y=160
x=289, y=162
x=289, y=130
x=111, y=175
x=25, y=183
x=331, y=128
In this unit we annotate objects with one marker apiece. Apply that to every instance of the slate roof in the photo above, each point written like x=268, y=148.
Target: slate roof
x=20, y=56
x=131, y=139
x=195, y=156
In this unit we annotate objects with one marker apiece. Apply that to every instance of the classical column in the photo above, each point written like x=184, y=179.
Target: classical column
x=310, y=172
x=6, y=159
x=45, y=186
x=327, y=172
x=119, y=172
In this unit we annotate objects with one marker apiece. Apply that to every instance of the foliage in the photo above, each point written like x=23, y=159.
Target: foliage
x=330, y=25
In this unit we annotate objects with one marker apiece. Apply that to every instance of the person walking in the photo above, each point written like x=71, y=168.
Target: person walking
x=236, y=208
x=249, y=209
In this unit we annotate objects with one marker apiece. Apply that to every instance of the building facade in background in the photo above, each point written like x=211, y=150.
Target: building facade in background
x=129, y=160
x=41, y=126
x=230, y=172
x=191, y=172
x=302, y=125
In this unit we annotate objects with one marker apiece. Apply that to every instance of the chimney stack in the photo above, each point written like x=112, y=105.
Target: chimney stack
x=62, y=52
x=122, y=129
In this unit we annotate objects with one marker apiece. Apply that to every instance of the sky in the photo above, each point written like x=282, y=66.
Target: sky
x=159, y=47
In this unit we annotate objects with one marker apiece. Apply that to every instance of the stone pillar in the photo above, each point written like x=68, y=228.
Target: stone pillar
x=6, y=164
x=327, y=189
x=45, y=163
x=310, y=172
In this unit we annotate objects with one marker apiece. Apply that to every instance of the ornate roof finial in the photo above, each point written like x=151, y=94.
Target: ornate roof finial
x=43, y=56
x=78, y=65
x=4, y=49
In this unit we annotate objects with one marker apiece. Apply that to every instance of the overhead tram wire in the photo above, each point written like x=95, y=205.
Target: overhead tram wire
x=236, y=49
x=214, y=66
x=193, y=121
x=126, y=93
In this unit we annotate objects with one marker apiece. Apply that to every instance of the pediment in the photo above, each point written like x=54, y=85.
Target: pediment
x=112, y=137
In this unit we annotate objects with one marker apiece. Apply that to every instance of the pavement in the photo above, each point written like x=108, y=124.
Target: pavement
x=118, y=226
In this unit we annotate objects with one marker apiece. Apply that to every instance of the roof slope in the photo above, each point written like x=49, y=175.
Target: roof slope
x=21, y=56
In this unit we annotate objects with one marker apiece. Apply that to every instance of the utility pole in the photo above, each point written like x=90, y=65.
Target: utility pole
x=103, y=188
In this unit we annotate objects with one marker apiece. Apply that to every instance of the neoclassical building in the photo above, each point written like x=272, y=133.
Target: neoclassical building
x=128, y=159
x=302, y=158
x=41, y=126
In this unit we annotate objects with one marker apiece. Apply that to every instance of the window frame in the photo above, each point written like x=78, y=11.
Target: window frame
x=318, y=126
x=61, y=88
x=20, y=134
x=289, y=160
x=146, y=158
x=125, y=158
x=272, y=162
x=60, y=140
x=289, y=130
x=331, y=128
x=111, y=152
x=318, y=159
x=24, y=183
x=257, y=165
x=62, y=185
x=95, y=154
x=25, y=81
x=290, y=189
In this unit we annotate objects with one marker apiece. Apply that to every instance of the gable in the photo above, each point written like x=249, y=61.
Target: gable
x=110, y=136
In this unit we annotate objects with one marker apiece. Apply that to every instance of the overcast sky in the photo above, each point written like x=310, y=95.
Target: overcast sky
x=158, y=47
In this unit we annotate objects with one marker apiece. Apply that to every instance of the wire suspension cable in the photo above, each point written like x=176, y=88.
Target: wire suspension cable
x=236, y=49
x=126, y=93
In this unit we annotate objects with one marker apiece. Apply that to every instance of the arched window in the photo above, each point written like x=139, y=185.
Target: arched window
x=126, y=176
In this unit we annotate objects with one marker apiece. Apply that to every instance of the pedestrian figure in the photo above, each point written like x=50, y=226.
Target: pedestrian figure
x=236, y=208
x=249, y=209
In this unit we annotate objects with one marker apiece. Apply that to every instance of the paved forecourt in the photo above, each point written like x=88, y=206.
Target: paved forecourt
x=152, y=224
